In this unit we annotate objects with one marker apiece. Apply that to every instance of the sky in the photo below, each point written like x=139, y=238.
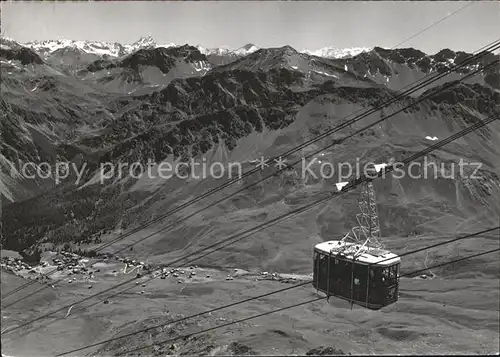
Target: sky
x=300, y=24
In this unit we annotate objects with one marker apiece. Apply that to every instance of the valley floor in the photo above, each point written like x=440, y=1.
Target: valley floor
x=433, y=316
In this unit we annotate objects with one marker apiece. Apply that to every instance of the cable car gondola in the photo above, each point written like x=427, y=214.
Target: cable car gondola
x=357, y=268
x=360, y=274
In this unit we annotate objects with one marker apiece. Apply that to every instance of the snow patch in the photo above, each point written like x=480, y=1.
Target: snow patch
x=201, y=66
x=9, y=63
x=341, y=185
x=326, y=74
x=379, y=167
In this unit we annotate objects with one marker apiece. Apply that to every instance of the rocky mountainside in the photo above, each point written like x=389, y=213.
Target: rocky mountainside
x=91, y=104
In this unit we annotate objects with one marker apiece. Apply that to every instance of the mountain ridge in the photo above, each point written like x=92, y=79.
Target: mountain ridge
x=117, y=49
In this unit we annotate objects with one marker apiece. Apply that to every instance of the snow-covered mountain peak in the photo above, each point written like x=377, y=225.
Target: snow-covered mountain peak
x=143, y=42
x=48, y=47
x=225, y=50
x=335, y=52
x=246, y=50
x=220, y=51
x=100, y=48
x=117, y=49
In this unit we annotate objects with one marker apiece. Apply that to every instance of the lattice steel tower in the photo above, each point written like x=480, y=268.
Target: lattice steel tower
x=367, y=232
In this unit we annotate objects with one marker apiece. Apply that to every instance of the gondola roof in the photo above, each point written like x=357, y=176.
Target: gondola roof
x=367, y=256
